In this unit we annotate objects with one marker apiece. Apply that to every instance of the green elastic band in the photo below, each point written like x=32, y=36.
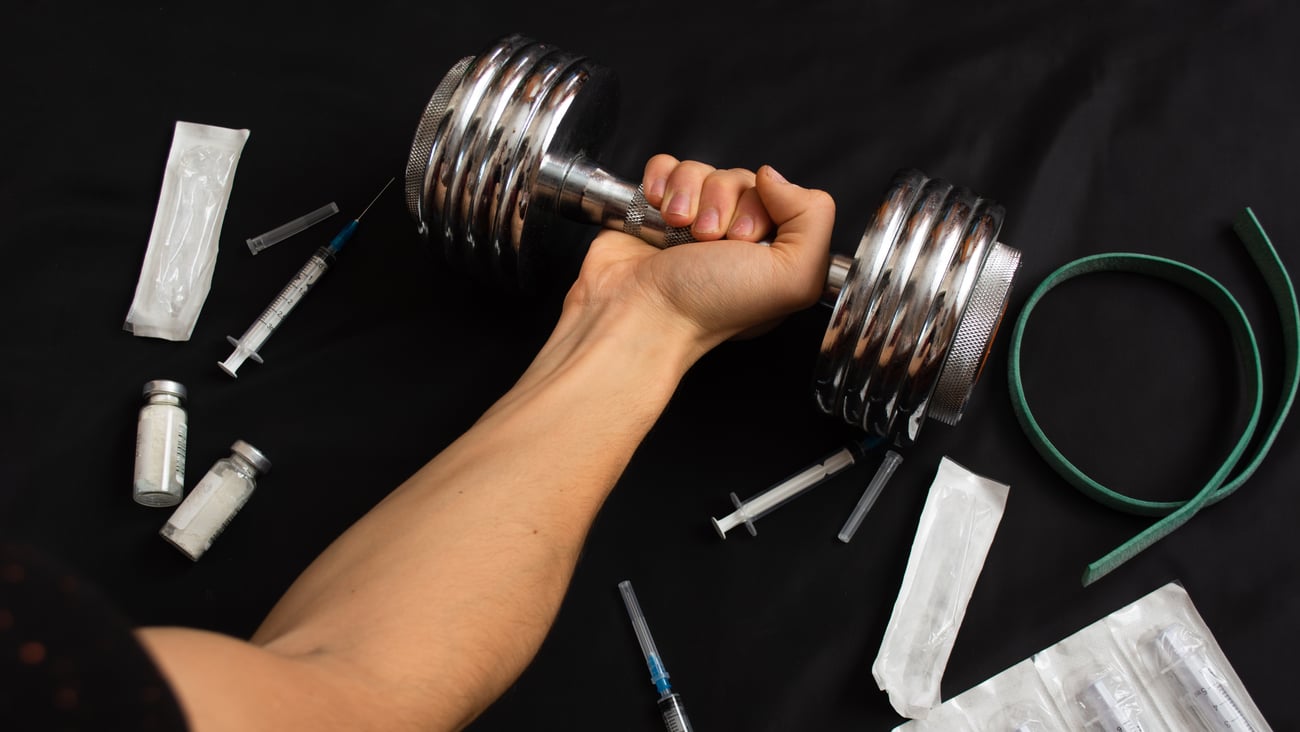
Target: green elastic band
x=1176, y=513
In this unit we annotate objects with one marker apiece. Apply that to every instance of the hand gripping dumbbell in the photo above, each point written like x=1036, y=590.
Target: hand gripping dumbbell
x=505, y=150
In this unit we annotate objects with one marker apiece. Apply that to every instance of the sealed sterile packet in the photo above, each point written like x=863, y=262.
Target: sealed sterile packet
x=178, y=263
x=1153, y=666
x=961, y=515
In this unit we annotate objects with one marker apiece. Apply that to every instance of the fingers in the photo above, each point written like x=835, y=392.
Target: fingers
x=655, y=179
x=730, y=207
x=681, y=202
x=713, y=203
x=751, y=221
x=804, y=218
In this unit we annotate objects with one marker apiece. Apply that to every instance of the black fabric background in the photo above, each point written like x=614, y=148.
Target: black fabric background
x=1137, y=126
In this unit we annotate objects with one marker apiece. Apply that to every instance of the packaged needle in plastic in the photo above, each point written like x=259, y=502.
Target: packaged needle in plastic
x=182, y=251
x=961, y=515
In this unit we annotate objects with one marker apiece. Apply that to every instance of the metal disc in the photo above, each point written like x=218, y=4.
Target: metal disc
x=472, y=174
x=887, y=360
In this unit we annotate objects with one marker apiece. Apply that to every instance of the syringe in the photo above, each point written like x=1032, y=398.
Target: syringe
x=747, y=512
x=670, y=702
x=1204, y=690
x=1104, y=713
x=255, y=337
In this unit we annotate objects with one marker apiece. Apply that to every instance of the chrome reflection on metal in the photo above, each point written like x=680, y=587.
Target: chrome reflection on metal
x=506, y=150
x=914, y=318
x=505, y=145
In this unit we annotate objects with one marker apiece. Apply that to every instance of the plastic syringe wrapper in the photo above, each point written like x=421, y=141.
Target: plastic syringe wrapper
x=177, y=270
x=961, y=515
x=1153, y=666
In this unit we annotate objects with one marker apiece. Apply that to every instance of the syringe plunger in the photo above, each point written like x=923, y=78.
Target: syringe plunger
x=747, y=512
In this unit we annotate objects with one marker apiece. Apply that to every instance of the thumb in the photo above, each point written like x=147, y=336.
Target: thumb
x=804, y=218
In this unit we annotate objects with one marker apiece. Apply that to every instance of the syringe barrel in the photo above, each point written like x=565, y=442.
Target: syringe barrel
x=299, y=286
x=1104, y=713
x=257, y=334
x=674, y=713
x=772, y=498
x=1203, y=687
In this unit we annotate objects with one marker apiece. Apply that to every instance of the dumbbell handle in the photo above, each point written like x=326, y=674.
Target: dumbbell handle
x=585, y=192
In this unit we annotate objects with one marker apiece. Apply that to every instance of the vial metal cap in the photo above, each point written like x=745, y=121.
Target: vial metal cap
x=252, y=455
x=164, y=386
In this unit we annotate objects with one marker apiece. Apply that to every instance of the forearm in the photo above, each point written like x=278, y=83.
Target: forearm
x=427, y=608
x=446, y=589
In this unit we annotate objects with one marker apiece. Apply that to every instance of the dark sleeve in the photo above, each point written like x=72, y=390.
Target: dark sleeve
x=68, y=660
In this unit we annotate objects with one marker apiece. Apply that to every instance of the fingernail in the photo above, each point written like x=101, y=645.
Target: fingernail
x=680, y=204
x=777, y=176
x=707, y=221
x=657, y=187
x=743, y=226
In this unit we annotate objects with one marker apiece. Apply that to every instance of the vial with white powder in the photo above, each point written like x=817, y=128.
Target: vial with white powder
x=215, y=500
x=160, y=436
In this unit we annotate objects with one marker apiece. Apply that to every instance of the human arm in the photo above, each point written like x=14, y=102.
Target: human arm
x=427, y=608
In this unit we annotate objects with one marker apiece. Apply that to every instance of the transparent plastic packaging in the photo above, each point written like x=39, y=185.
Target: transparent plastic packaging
x=1152, y=666
x=160, y=436
x=215, y=500
x=1182, y=662
x=1109, y=706
x=178, y=263
x=1022, y=703
x=961, y=515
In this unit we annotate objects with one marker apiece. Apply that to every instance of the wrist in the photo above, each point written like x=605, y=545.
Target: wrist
x=624, y=341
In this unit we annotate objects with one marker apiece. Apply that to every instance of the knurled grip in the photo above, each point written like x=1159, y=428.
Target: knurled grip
x=417, y=163
x=646, y=223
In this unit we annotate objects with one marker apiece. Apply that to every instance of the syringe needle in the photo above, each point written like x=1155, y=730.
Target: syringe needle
x=350, y=228
x=658, y=673
x=670, y=703
x=376, y=198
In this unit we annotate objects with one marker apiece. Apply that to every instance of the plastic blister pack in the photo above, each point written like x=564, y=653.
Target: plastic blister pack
x=1184, y=664
x=178, y=263
x=1021, y=704
x=1094, y=681
x=1153, y=666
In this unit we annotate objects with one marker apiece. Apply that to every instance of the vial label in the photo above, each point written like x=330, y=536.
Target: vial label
x=182, y=440
x=141, y=428
x=152, y=453
x=160, y=440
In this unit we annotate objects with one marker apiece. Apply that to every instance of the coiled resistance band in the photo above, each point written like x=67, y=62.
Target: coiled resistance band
x=1220, y=486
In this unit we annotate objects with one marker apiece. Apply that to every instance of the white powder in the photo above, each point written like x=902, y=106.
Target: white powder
x=160, y=455
x=206, y=512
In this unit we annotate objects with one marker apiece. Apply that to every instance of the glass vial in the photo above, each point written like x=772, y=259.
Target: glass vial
x=160, y=438
x=215, y=500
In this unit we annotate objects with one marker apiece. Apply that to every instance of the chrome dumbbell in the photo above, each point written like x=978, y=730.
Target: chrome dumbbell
x=506, y=149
